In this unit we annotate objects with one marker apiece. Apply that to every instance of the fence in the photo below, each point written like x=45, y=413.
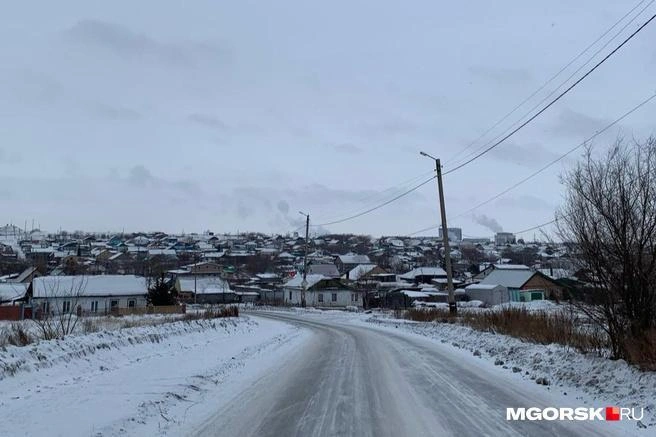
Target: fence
x=162, y=309
x=11, y=312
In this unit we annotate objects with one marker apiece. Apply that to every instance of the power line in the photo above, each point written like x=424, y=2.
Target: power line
x=360, y=214
x=377, y=196
x=564, y=82
x=552, y=102
x=558, y=159
x=537, y=227
x=551, y=79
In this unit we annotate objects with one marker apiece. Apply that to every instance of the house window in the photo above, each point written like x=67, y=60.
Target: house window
x=45, y=306
x=354, y=297
x=334, y=297
x=131, y=303
x=66, y=306
x=321, y=297
x=290, y=295
x=94, y=306
x=113, y=304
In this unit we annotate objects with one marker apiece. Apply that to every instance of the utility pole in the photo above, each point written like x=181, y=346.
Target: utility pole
x=453, y=308
x=305, y=283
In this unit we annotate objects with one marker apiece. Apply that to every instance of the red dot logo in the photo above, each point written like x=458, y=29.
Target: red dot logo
x=612, y=413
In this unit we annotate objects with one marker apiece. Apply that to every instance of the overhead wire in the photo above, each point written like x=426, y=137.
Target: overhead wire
x=546, y=166
x=552, y=78
x=367, y=211
x=378, y=196
x=552, y=102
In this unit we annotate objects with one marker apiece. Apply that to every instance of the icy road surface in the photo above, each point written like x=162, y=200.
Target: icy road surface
x=350, y=380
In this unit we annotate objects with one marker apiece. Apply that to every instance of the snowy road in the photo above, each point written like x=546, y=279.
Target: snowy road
x=351, y=380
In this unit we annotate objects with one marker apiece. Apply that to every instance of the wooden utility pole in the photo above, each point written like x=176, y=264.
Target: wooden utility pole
x=305, y=283
x=453, y=308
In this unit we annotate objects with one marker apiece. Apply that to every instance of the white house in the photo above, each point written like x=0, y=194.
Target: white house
x=88, y=294
x=322, y=291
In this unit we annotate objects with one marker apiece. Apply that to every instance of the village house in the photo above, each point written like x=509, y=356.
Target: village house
x=362, y=272
x=423, y=275
x=90, y=295
x=524, y=284
x=321, y=291
x=205, y=290
x=347, y=262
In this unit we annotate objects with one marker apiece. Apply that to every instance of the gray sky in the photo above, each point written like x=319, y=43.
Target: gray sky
x=231, y=116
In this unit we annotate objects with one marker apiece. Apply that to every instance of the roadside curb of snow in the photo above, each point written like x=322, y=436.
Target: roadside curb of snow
x=47, y=353
x=601, y=379
x=175, y=405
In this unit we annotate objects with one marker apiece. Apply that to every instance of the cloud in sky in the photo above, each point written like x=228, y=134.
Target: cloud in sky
x=501, y=75
x=207, y=120
x=348, y=148
x=530, y=155
x=218, y=114
x=124, y=42
x=573, y=123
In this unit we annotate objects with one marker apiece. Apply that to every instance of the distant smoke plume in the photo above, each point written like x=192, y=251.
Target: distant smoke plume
x=488, y=222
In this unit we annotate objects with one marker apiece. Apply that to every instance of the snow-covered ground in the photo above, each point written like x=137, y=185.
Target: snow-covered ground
x=146, y=380
x=591, y=380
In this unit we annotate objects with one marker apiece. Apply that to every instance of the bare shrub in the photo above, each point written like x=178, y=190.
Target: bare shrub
x=15, y=335
x=89, y=326
x=609, y=217
x=541, y=327
x=213, y=313
x=428, y=315
x=642, y=351
x=56, y=316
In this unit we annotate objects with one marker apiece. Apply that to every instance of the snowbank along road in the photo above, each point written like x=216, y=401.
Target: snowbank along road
x=349, y=380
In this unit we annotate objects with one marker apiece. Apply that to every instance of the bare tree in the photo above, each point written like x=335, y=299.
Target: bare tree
x=57, y=315
x=610, y=217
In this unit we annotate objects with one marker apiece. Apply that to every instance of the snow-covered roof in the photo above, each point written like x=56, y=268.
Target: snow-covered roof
x=555, y=273
x=267, y=275
x=396, y=243
x=10, y=291
x=513, y=278
x=444, y=281
x=312, y=280
x=511, y=267
x=102, y=285
x=423, y=271
x=415, y=294
x=483, y=286
x=213, y=254
x=352, y=258
x=359, y=271
x=161, y=252
x=25, y=274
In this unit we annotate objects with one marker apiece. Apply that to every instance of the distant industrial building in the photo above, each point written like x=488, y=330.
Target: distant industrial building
x=503, y=238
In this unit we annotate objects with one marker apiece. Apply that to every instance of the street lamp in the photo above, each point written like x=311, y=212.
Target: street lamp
x=453, y=309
